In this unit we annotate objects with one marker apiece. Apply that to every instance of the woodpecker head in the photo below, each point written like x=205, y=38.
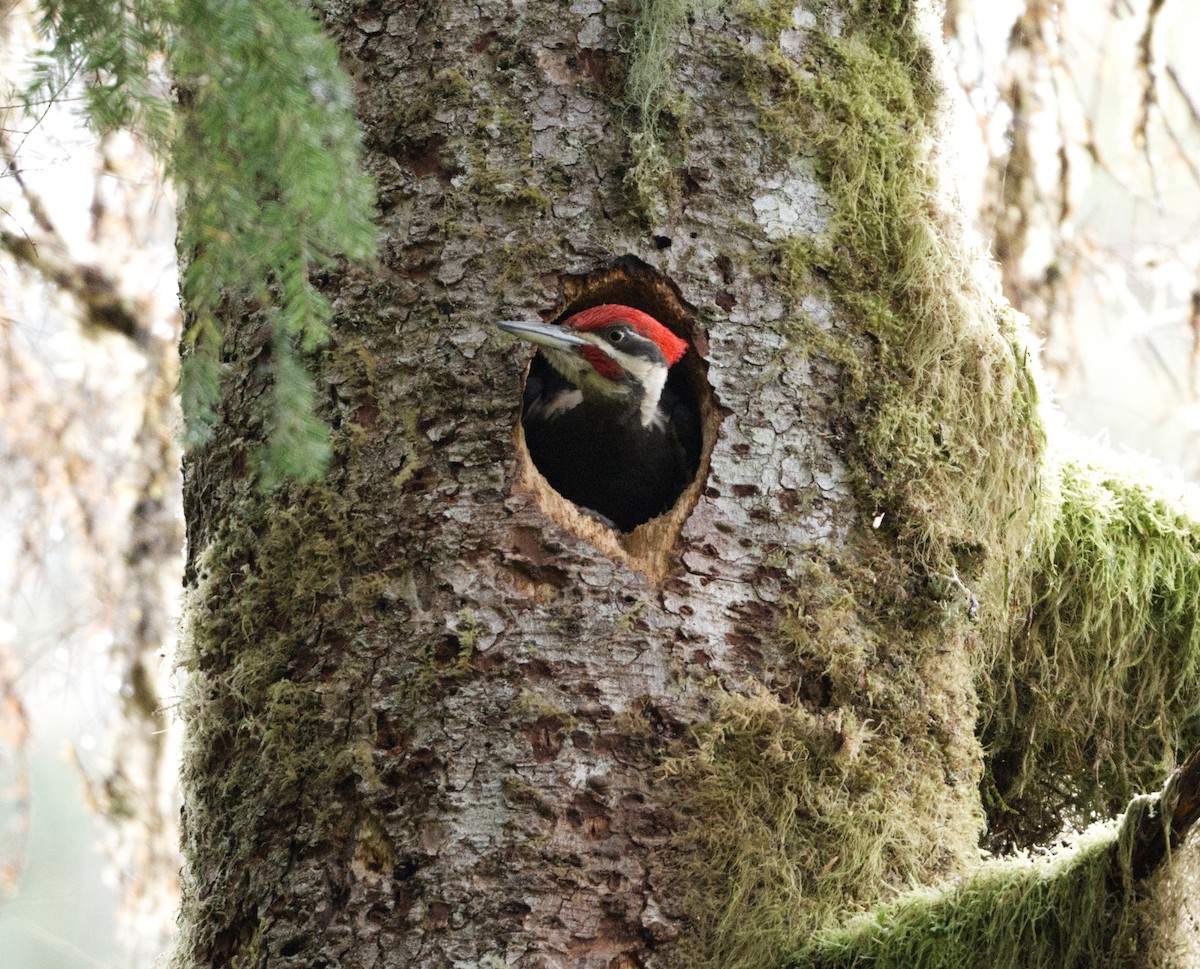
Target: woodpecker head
x=610, y=352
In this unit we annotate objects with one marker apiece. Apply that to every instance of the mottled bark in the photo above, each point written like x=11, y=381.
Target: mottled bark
x=437, y=717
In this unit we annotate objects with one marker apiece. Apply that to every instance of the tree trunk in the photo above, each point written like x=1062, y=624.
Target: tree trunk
x=438, y=716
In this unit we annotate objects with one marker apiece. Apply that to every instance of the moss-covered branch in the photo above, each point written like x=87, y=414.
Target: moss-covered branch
x=1096, y=697
x=1071, y=908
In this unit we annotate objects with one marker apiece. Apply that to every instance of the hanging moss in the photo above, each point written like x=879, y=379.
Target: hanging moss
x=1099, y=692
x=653, y=102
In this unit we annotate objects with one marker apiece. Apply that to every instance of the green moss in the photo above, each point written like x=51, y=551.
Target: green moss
x=948, y=453
x=950, y=437
x=798, y=827
x=947, y=435
x=288, y=567
x=432, y=670
x=654, y=103
x=1099, y=691
x=278, y=586
x=836, y=783
x=529, y=248
x=767, y=17
x=1095, y=694
x=498, y=133
x=1068, y=910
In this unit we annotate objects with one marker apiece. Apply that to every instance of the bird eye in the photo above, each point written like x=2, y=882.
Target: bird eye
x=616, y=336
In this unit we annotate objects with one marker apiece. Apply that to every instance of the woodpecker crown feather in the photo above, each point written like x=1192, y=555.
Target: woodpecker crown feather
x=672, y=346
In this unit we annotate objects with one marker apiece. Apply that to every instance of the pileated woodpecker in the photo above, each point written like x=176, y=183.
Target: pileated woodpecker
x=602, y=421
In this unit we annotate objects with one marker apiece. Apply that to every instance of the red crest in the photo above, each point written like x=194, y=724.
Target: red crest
x=672, y=347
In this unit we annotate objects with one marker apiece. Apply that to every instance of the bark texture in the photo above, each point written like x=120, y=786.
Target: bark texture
x=438, y=718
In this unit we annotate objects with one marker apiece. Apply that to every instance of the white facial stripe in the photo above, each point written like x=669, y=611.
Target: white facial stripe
x=652, y=377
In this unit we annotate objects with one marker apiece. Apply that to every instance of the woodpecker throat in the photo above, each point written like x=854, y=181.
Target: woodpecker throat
x=605, y=421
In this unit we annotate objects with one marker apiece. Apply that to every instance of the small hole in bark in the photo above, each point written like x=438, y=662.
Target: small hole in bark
x=449, y=650
x=662, y=242
x=618, y=453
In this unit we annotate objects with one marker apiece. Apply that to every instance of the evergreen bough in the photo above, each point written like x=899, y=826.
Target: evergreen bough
x=261, y=140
